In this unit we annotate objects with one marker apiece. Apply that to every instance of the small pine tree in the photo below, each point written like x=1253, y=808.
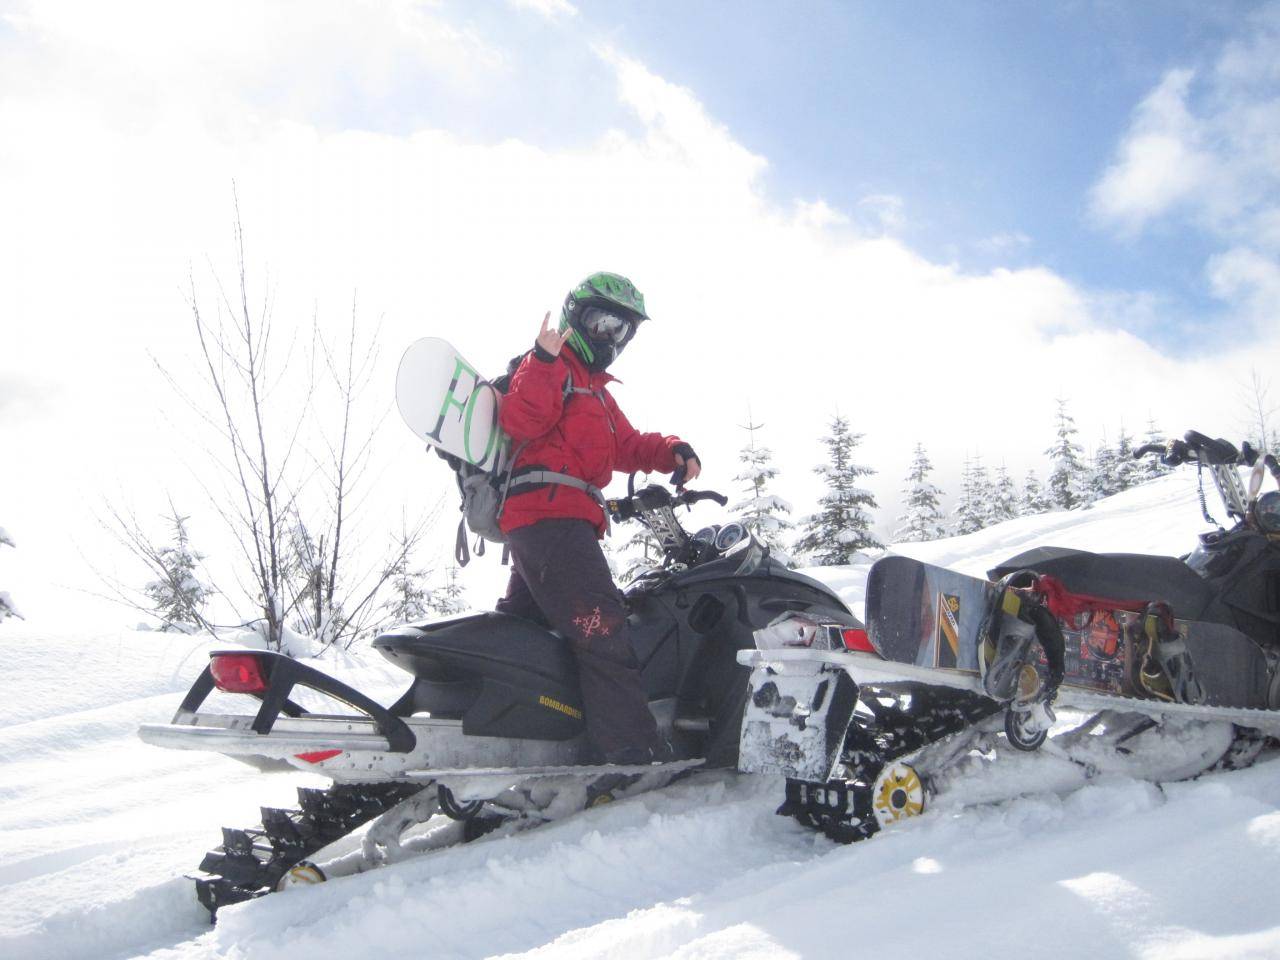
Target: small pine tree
x=923, y=519
x=7, y=607
x=178, y=596
x=408, y=599
x=638, y=554
x=764, y=514
x=982, y=493
x=1068, y=472
x=1103, y=479
x=1150, y=466
x=969, y=513
x=317, y=612
x=1033, y=498
x=1126, y=467
x=1004, y=498
x=450, y=598
x=841, y=528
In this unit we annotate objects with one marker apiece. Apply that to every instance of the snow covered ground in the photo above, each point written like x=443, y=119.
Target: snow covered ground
x=97, y=829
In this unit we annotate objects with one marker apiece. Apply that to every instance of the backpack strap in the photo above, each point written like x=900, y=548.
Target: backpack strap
x=563, y=479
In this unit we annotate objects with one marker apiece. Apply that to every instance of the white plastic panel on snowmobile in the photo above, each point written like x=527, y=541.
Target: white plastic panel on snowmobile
x=867, y=668
x=796, y=715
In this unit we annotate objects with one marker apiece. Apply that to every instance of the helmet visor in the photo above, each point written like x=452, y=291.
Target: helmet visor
x=606, y=327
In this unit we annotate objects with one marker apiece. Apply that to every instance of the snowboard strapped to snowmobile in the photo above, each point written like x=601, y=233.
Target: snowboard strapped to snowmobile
x=489, y=735
x=865, y=724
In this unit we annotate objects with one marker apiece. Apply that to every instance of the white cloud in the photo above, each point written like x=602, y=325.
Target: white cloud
x=1160, y=162
x=551, y=9
x=776, y=303
x=1204, y=148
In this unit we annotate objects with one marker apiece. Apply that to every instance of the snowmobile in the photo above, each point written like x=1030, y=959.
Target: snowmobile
x=1172, y=665
x=489, y=734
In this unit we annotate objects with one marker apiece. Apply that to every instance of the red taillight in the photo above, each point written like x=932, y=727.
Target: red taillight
x=237, y=673
x=317, y=756
x=857, y=640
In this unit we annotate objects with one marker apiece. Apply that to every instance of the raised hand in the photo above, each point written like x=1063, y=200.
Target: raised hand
x=552, y=340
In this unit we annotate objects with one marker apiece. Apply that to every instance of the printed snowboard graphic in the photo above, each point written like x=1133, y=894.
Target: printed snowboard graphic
x=930, y=617
x=447, y=403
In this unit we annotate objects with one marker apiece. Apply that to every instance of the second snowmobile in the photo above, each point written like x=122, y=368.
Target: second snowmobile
x=489, y=734
x=1174, y=664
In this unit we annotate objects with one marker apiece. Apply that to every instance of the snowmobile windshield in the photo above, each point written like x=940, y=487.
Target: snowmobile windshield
x=607, y=327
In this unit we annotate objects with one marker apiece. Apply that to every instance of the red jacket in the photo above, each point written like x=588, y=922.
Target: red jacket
x=584, y=435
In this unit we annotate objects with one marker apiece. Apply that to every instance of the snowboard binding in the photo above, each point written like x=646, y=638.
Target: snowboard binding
x=1018, y=620
x=1161, y=662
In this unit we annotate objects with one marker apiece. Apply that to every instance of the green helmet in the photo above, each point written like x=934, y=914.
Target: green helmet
x=603, y=312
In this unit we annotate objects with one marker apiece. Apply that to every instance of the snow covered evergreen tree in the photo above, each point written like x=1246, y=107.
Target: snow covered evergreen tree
x=408, y=598
x=1066, y=478
x=449, y=599
x=1126, y=467
x=1033, y=497
x=1004, y=497
x=7, y=607
x=638, y=554
x=841, y=528
x=969, y=514
x=982, y=492
x=178, y=595
x=1103, y=479
x=1150, y=467
x=764, y=514
x=923, y=518
x=316, y=606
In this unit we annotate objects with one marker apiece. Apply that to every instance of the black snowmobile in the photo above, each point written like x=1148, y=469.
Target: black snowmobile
x=490, y=732
x=1173, y=664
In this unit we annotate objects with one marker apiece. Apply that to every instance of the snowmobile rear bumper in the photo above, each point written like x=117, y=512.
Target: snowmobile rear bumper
x=369, y=746
x=232, y=734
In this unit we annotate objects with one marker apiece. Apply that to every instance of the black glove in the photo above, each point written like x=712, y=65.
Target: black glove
x=686, y=451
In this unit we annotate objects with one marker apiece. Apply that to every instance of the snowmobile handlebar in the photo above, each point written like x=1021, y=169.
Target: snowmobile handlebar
x=1195, y=447
x=656, y=498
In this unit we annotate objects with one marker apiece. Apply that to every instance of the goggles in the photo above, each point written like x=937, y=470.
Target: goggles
x=603, y=325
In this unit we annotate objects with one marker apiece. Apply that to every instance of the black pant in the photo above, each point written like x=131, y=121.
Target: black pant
x=559, y=577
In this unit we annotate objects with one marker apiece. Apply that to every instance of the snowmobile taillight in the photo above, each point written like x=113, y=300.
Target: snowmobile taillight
x=317, y=756
x=857, y=640
x=237, y=673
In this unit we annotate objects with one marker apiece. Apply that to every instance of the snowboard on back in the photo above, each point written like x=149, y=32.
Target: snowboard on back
x=930, y=617
x=446, y=402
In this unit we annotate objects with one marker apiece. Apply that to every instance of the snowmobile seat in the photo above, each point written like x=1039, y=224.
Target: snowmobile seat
x=1123, y=576
x=496, y=645
x=501, y=675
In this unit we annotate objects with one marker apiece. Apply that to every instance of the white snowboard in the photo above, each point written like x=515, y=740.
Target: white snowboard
x=446, y=402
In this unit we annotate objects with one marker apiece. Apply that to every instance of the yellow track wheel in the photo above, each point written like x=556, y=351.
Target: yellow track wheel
x=303, y=874
x=897, y=794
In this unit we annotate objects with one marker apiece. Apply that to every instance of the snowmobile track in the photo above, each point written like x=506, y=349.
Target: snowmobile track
x=250, y=863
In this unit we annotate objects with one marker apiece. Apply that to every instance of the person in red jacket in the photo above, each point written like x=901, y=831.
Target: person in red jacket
x=569, y=437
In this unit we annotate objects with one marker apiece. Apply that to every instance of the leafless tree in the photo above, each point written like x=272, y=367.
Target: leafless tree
x=1262, y=410
x=295, y=474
